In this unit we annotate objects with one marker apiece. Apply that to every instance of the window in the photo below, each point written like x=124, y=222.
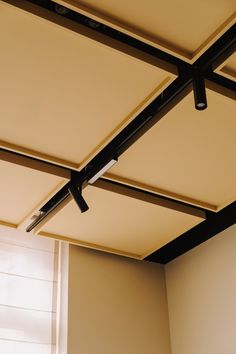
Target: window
x=28, y=288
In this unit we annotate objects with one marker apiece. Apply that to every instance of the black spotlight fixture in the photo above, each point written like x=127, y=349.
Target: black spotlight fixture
x=199, y=90
x=77, y=195
x=61, y=10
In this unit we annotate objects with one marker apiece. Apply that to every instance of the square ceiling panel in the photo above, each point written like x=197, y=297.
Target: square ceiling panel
x=118, y=224
x=23, y=190
x=189, y=155
x=64, y=95
x=184, y=27
x=228, y=68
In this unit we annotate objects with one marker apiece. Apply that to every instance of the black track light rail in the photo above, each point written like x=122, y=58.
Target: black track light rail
x=222, y=81
x=156, y=110
x=214, y=223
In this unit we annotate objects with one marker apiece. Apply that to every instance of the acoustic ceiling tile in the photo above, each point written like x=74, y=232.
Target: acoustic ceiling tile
x=184, y=27
x=23, y=190
x=189, y=153
x=118, y=224
x=64, y=95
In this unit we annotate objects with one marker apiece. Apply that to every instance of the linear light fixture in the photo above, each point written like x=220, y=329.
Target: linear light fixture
x=102, y=171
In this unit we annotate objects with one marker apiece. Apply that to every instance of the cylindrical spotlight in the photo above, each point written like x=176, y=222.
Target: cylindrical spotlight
x=76, y=194
x=199, y=91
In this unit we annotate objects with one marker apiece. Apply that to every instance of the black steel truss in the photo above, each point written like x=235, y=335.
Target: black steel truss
x=174, y=93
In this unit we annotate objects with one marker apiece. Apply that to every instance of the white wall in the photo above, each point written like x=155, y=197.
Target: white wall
x=201, y=288
x=116, y=305
x=62, y=298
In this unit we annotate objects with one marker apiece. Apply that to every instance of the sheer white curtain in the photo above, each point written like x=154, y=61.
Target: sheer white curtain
x=27, y=293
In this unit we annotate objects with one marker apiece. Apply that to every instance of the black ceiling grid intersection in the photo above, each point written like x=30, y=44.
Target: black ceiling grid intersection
x=156, y=110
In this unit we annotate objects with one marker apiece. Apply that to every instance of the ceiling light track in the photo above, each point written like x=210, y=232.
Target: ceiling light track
x=213, y=225
x=220, y=81
x=149, y=197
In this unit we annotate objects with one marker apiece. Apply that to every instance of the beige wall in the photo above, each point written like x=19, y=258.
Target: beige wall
x=201, y=288
x=116, y=305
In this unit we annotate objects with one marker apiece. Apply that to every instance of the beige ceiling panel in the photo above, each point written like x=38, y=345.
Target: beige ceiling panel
x=64, y=95
x=228, y=68
x=189, y=154
x=118, y=224
x=184, y=27
x=23, y=191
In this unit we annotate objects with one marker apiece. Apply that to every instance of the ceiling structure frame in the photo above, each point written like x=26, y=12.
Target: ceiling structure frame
x=174, y=93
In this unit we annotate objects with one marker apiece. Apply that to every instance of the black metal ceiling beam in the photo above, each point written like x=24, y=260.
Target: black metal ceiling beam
x=149, y=197
x=36, y=164
x=223, y=83
x=214, y=223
